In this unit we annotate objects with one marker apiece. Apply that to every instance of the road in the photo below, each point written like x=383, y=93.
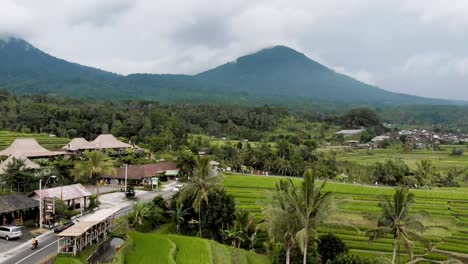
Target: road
x=48, y=243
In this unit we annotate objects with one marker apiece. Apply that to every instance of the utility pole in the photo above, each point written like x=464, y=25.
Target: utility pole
x=126, y=175
x=40, y=204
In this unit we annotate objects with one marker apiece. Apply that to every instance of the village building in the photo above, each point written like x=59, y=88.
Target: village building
x=104, y=141
x=75, y=195
x=15, y=209
x=140, y=174
x=29, y=148
x=350, y=132
x=28, y=164
x=78, y=144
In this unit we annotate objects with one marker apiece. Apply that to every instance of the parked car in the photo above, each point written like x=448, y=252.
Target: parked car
x=62, y=227
x=9, y=232
x=175, y=189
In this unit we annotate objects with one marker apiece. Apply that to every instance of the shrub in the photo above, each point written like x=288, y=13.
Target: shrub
x=457, y=152
x=330, y=246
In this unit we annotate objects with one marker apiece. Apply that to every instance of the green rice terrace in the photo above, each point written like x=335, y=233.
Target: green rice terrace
x=447, y=223
x=47, y=141
x=162, y=247
x=442, y=160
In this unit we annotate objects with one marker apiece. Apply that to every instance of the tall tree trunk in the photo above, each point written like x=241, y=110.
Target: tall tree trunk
x=199, y=218
x=288, y=254
x=304, y=261
x=394, y=250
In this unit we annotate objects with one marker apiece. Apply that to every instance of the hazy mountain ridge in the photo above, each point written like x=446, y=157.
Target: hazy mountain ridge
x=277, y=75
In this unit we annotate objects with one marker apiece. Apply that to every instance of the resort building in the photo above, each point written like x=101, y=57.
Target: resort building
x=140, y=174
x=29, y=148
x=15, y=209
x=73, y=195
x=104, y=141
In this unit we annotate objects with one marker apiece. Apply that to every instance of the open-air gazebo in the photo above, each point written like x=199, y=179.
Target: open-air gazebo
x=93, y=229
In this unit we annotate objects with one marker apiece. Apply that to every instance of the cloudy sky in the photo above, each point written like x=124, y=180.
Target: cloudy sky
x=418, y=47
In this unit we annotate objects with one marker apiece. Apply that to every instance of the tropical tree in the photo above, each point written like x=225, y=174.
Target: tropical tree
x=424, y=172
x=17, y=176
x=280, y=221
x=199, y=186
x=178, y=215
x=396, y=220
x=312, y=207
x=141, y=212
x=96, y=164
x=245, y=222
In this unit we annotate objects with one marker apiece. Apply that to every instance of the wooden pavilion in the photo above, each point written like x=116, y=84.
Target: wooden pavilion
x=94, y=229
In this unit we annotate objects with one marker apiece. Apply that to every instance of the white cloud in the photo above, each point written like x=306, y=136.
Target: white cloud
x=451, y=14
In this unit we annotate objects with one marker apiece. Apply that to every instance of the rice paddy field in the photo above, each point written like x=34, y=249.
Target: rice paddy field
x=447, y=222
x=442, y=160
x=167, y=248
x=47, y=141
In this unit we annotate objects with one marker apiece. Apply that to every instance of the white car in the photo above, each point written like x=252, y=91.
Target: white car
x=9, y=232
x=175, y=189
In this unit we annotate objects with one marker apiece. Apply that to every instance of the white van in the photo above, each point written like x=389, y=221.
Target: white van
x=9, y=232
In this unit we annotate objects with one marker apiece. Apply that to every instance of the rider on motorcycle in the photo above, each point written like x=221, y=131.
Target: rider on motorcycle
x=34, y=242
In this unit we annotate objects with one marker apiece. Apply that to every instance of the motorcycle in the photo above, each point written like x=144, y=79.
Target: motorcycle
x=34, y=246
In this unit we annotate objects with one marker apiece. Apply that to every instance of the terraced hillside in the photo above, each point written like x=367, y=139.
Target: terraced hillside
x=178, y=249
x=47, y=141
x=448, y=208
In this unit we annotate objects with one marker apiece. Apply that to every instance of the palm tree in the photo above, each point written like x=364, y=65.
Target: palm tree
x=95, y=165
x=280, y=221
x=141, y=211
x=245, y=223
x=178, y=215
x=396, y=220
x=312, y=207
x=199, y=186
x=424, y=172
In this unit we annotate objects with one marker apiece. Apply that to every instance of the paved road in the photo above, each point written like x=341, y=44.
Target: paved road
x=48, y=243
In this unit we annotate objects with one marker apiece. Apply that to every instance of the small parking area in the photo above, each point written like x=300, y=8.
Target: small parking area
x=28, y=234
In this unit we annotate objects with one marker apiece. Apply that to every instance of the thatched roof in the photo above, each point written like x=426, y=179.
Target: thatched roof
x=64, y=193
x=108, y=141
x=78, y=144
x=28, y=147
x=138, y=172
x=14, y=202
x=28, y=164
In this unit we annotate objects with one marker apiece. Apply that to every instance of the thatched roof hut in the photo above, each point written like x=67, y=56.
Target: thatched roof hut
x=28, y=164
x=29, y=148
x=78, y=144
x=108, y=141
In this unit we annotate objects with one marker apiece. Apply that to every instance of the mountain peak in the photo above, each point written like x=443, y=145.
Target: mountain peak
x=9, y=42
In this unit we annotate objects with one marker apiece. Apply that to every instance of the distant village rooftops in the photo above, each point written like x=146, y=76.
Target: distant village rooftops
x=29, y=148
x=349, y=132
x=28, y=164
x=380, y=138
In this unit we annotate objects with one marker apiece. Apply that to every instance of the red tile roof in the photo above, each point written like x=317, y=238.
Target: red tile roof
x=138, y=172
